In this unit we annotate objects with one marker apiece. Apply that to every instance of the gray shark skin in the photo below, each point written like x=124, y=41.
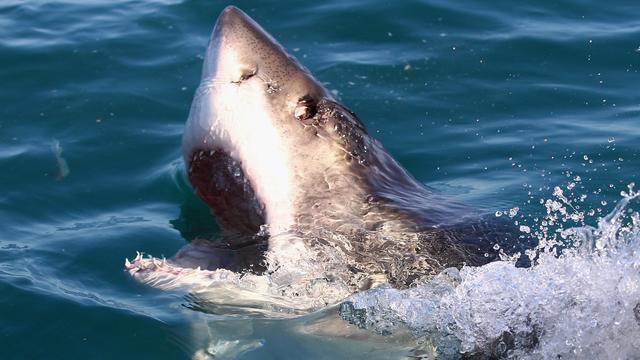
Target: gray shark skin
x=271, y=151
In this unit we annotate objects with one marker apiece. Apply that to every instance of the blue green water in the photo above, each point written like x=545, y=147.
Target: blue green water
x=495, y=103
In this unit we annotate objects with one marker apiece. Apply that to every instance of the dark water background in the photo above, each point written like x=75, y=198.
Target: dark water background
x=493, y=102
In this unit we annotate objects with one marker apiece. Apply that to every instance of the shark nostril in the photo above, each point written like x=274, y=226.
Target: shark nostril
x=245, y=74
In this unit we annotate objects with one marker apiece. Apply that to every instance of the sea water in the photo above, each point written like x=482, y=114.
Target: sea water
x=528, y=112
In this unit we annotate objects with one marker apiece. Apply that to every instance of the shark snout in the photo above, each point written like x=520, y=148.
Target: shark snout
x=239, y=48
x=231, y=13
x=232, y=17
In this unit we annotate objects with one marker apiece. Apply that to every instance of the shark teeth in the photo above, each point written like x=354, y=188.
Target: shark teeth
x=161, y=273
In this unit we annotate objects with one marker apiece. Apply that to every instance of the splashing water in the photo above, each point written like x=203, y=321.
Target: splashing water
x=581, y=297
x=292, y=285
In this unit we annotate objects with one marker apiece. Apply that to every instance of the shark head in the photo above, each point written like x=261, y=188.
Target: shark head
x=265, y=141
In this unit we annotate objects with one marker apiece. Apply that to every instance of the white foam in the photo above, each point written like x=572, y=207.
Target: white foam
x=581, y=303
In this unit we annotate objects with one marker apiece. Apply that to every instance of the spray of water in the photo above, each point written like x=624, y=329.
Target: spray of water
x=580, y=298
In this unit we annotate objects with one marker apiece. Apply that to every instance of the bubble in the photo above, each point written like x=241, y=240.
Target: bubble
x=557, y=191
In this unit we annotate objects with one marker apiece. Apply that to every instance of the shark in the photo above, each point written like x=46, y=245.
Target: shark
x=308, y=200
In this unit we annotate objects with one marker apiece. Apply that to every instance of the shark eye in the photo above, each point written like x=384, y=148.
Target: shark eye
x=305, y=108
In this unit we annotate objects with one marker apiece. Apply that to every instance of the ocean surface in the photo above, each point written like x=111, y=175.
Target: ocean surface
x=521, y=110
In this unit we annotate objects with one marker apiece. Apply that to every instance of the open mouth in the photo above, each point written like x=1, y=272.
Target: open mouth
x=219, y=181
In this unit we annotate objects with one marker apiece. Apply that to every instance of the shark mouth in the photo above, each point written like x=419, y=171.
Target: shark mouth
x=219, y=181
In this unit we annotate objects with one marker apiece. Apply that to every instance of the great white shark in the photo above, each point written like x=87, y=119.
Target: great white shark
x=292, y=174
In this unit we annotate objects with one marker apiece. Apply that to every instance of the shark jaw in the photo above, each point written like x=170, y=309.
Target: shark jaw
x=234, y=153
